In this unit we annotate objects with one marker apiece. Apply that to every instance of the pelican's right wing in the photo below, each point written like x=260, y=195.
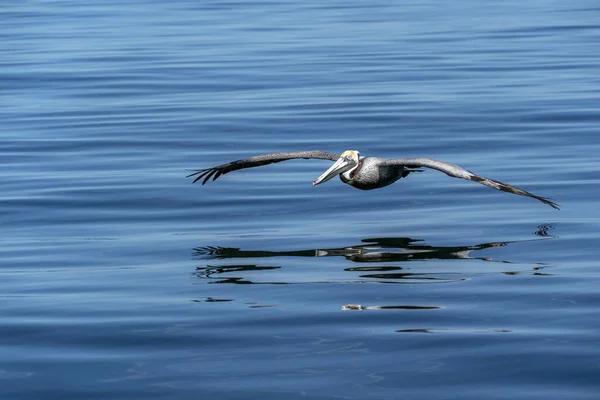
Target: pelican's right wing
x=257, y=161
x=459, y=172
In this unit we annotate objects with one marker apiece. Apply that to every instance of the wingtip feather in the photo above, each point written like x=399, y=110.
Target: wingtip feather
x=201, y=173
x=209, y=175
x=551, y=203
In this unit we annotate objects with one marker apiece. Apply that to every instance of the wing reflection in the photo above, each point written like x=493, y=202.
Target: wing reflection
x=371, y=250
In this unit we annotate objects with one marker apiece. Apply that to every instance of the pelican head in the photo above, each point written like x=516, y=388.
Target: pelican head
x=347, y=161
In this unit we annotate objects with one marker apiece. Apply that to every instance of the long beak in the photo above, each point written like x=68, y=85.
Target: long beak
x=341, y=165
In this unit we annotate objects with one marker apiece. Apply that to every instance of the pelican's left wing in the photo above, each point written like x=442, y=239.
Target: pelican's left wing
x=459, y=172
x=257, y=161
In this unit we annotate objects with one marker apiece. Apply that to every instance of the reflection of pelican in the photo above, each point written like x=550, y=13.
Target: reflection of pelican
x=364, y=173
x=372, y=250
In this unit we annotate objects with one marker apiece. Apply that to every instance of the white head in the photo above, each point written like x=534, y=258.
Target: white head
x=347, y=162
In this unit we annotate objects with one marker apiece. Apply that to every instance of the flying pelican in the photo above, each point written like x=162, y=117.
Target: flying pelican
x=365, y=173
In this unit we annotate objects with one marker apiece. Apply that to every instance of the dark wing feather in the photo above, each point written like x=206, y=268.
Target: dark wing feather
x=459, y=172
x=258, y=161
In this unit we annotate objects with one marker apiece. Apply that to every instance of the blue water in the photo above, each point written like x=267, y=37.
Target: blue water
x=121, y=279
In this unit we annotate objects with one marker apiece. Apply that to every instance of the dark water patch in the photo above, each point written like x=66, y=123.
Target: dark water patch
x=426, y=330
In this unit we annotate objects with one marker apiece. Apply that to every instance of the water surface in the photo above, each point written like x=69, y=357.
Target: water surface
x=121, y=279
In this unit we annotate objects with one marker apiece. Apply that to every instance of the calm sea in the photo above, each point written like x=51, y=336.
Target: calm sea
x=123, y=280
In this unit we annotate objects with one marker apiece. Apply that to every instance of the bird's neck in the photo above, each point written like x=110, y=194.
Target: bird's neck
x=349, y=175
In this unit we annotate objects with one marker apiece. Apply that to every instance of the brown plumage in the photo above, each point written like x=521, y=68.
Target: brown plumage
x=365, y=173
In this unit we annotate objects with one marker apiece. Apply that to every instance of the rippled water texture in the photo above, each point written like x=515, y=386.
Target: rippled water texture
x=121, y=279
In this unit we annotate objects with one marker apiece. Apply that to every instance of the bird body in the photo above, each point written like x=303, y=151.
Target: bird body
x=365, y=173
x=371, y=173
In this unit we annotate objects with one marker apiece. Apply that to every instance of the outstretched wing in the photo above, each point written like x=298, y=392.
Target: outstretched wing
x=257, y=161
x=459, y=172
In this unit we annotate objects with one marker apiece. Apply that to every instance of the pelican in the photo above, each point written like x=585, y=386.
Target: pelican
x=365, y=173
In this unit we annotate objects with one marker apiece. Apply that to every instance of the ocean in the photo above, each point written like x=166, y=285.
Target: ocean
x=122, y=279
